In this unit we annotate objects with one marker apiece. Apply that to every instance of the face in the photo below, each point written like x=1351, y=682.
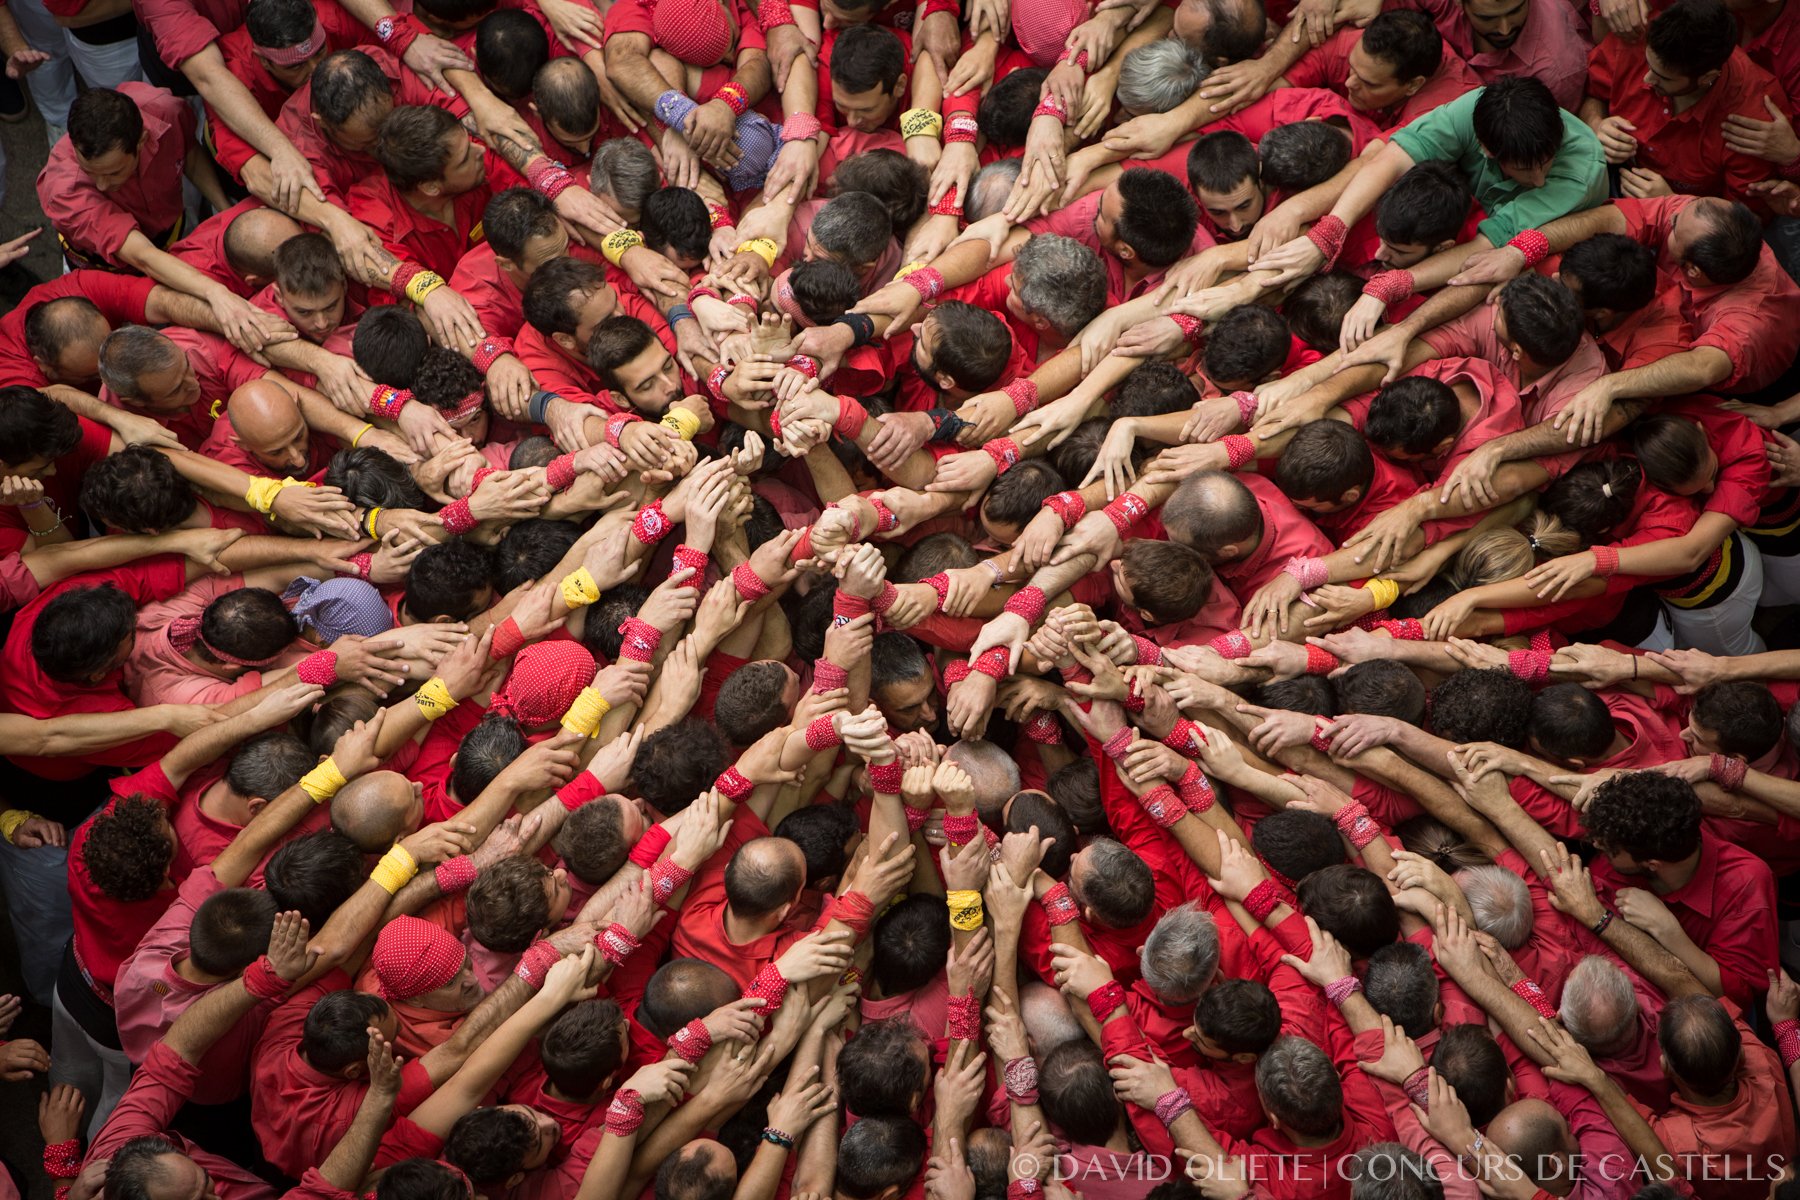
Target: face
x=1106, y=223
x=1497, y=22
x=1003, y=532
x=545, y=1133
x=1686, y=227
x=111, y=170
x=924, y=351
x=557, y=892
x=171, y=389
x=1370, y=83
x=280, y=447
x=1625, y=864
x=867, y=111
x=651, y=381
x=357, y=135
x=317, y=316
x=790, y=690
x=179, y=1177
x=581, y=141
x=1704, y=480
x=291, y=77
x=459, y=995
x=1699, y=739
x=837, y=16
x=1668, y=83
x=466, y=168
x=910, y=705
x=474, y=426
x=1400, y=255
x=1234, y=212
x=1529, y=175
x=595, y=307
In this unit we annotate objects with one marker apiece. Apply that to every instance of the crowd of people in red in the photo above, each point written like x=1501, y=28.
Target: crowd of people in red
x=859, y=600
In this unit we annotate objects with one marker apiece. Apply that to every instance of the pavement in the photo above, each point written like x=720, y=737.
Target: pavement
x=25, y=154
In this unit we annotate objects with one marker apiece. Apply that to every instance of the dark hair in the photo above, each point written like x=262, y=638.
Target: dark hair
x=1038, y=810
x=1570, y=722
x=279, y=24
x=1543, y=316
x=548, y=302
x=1645, y=814
x=78, y=632
x=616, y=341
x=410, y=144
x=878, y=1153
x=973, y=344
x=1412, y=416
x=422, y=1179
x=369, y=478
x=314, y=874
x=510, y=46
x=51, y=325
x=1324, y=461
x=1407, y=41
x=1246, y=346
x=582, y=1048
x=1518, y=122
x=1168, y=581
x=567, y=95
x=133, y=1172
x=1219, y=162
x=1472, y=1062
x=912, y=943
x=1581, y=499
x=1241, y=1016
x=853, y=226
x=592, y=842
x=1701, y=1043
x=268, y=764
x=1311, y=694
x=1004, y=116
x=1120, y=891
x=336, y=1030
x=822, y=831
x=344, y=82
x=250, y=623
x=307, y=265
x=34, y=426
x=1401, y=985
x=128, y=849
x=678, y=762
x=1297, y=842
x=1382, y=687
x=866, y=57
x=533, y=451
x=445, y=379
x=1076, y=789
x=681, y=990
x=1744, y=714
x=447, y=580
x=1235, y=33
x=895, y=658
x=749, y=701
x=1482, y=706
x=1302, y=154
x=1427, y=205
x=1157, y=216
x=489, y=1144
x=675, y=218
x=1077, y=1093
x=485, y=751
x=530, y=550
x=102, y=120
x=230, y=930
x=507, y=907
x=334, y=716
x=758, y=883
x=688, y=1175
x=1211, y=510
x=389, y=343
x=1315, y=310
x=600, y=631
x=1019, y=495
x=891, y=177
x=137, y=490
x=824, y=288
x=1610, y=270
x=1693, y=37
x=881, y=1069
x=1352, y=904
x=515, y=216
x=1300, y=1087
x=1153, y=389
x=1732, y=245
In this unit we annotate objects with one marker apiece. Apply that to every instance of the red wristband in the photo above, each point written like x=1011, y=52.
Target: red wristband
x=650, y=847
x=1532, y=244
x=318, y=669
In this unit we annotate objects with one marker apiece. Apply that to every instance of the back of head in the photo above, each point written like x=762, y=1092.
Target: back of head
x=682, y=990
x=1239, y=1016
x=307, y=265
x=1594, y=498
x=1157, y=216
x=1731, y=245
x=1037, y=810
x=389, y=344
x=1412, y=417
x=102, y=121
x=1315, y=310
x=371, y=478
x=1300, y=1088
x=267, y=765
x=694, y=1172
x=584, y=1046
x=1651, y=816
x=883, y=1068
x=1353, y=905
x=568, y=97
x=749, y=703
x=1700, y=1043
x=1389, y=1171
x=854, y=228
x=515, y=216
x=1156, y=77
x=866, y=57
x=1742, y=714
x=412, y=144
x=1407, y=41
x=624, y=171
x=675, y=222
x=973, y=345
x=507, y=906
x=1571, y=723
x=1246, y=346
x=137, y=490
x=1518, y=121
x=763, y=877
x=1482, y=706
x=1471, y=1061
x=448, y=580
x=1693, y=38
x=530, y=550
x=1302, y=154
x=676, y=763
x=510, y=46
x=1005, y=113
x=314, y=874
x=822, y=831
x=1324, y=462
x=1543, y=317
x=1297, y=842
x=422, y=1179
x=1061, y=280
x=344, y=82
x=1077, y=1093
x=1169, y=582
x=592, y=843
x=1426, y=206
x=1599, y=1006
x=1500, y=901
x=335, y=1034
x=891, y=177
x=990, y=188
x=1118, y=890
x=1384, y=688
x=1076, y=789
x=128, y=849
x=1210, y=511
x=1181, y=955
x=230, y=930
x=131, y=352
x=878, y=1154
x=1401, y=985
x=136, y=1171
x=77, y=635
x=1611, y=271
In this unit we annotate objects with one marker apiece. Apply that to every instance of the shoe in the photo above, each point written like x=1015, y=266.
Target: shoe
x=14, y=106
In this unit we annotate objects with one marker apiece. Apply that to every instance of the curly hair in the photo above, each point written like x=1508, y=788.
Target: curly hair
x=1646, y=814
x=128, y=849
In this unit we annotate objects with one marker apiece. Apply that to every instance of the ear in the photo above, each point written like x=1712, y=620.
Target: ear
x=944, y=382
x=255, y=805
x=567, y=342
x=1413, y=85
x=1352, y=496
x=514, y=1180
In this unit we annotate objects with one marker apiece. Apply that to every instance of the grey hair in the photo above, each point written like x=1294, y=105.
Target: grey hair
x=128, y=352
x=1181, y=955
x=1389, y=1171
x=992, y=771
x=991, y=187
x=624, y=170
x=1500, y=901
x=1060, y=280
x=1156, y=77
x=1599, y=1004
x=853, y=228
x=1300, y=1087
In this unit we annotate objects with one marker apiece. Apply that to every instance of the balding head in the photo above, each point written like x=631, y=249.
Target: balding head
x=376, y=810
x=1535, y=1136
x=64, y=336
x=764, y=878
x=992, y=771
x=1599, y=1006
x=268, y=424
x=251, y=240
x=680, y=991
x=1215, y=515
x=567, y=96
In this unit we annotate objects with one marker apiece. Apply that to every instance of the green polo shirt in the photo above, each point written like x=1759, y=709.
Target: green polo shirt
x=1577, y=178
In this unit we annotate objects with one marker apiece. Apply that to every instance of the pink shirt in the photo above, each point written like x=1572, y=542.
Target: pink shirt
x=204, y=249
x=96, y=222
x=1472, y=336
x=1077, y=221
x=1550, y=46
x=496, y=301
x=158, y=673
x=162, y=1084
x=1286, y=534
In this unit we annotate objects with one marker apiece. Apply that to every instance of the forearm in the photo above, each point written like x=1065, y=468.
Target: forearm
x=1690, y=371
x=1370, y=184
x=628, y=69
x=1678, y=555
x=166, y=269
x=208, y=1019
x=1634, y=1129
x=351, y=1158
x=166, y=306
x=233, y=103
x=1649, y=958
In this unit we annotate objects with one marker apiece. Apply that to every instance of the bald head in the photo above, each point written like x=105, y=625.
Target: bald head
x=376, y=810
x=680, y=991
x=993, y=772
x=64, y=336
x=764, y=877
x=251, y=240
x=1214, y=514
x=1536, y=1137
x=268, y=424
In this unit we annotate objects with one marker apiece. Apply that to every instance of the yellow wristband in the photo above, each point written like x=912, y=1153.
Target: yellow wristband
x=369, y=521
x=683, y=422
x=434, y=698
x=261, y=493
x=422, y=285
x=908, y=269
x=395, y=870
x=357, y=440
x=584, y=715
x=763, y=248
x=921, y=122
x=1384, y=591
x=965, y=909
x=323, y=781
x=618, y=242
x=579, y=589
x=10, y=820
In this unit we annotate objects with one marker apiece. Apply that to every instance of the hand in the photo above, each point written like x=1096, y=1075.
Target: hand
x=1078, y=973
x=1648, y=913
x=1455, y=946
x=1294, y=260
x=376, y=663
x=1627, y=18
x=661, y=1082
x=22, y=1058
x=292, y=175
x=59, y=1112
x=898, y=437
x=289, y=955
x=1616, y=140
x=1329, y=963
x=970, y=471
x=1490, y=267
x=1585, y=416
x=37, y=831
x=1236, y=85
x=441, y=842
x=1449, y=616
x=702, y=832
x=735, y=1022
x=1554, y=579
x=19, y=64
x=1571, y=1062
x=947, y=1176
x=881, y=875
x=1695, y=668
x=816, y=956
x=1473, y=477
x=1141, y=1083
x=958, y=1087
x=803, y=1101
x=1782, y=1002
x=451, y=320
x=566, y=981
x=1382, y=542
x=1400, y=1058
x=1772, y=140
x=1641, y=183
x=971, y=972
x=1445, y=1118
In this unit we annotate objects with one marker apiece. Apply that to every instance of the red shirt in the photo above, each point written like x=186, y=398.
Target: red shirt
x=1472, y=335
x=1328, y=66
x=634, y=16
x=1077, y=221
x=97, y=223
x=342, y=31
x=32, y=693
x=1727, y=908
x=700, y=925
x=495, y=298
x=575, y=381
x=220, y=369
x=1741, y=487
x=204, y=249
x=183, y=28
x=1653, y=332
x=120, y=299
x=1286, y=533
x=63, y=488
x=1747, y=320
x=1688, y=148
x=1391, y=484
x=222, y=446
x=1550, y=46
x=419, y=238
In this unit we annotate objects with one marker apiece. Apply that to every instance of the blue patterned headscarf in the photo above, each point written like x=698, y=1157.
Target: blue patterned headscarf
x=331, y=608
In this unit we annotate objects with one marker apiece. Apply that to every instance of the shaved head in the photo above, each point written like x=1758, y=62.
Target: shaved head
x=376, y=810
x=268, y=424
x=251, y=241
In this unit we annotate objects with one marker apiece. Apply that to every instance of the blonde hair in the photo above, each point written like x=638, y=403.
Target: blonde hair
x=1502, y=554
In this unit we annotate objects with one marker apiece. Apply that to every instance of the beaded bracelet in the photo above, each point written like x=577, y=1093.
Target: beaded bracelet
x=776, y=1137
x=1238, y=450
x=318, y=669
x=1532, y=244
